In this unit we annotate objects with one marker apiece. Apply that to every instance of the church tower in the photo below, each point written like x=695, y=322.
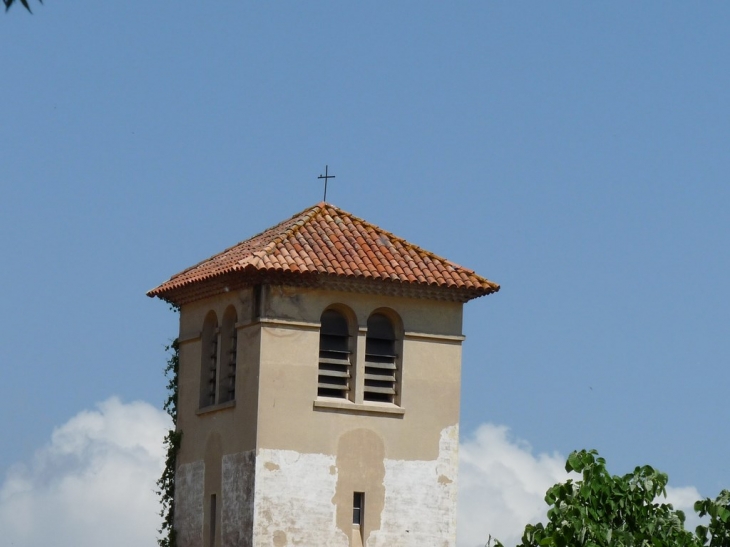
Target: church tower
x=319, y=388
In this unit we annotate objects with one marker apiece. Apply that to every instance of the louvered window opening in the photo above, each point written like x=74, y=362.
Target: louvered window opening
x=380, y=361
x=232, y=365
x=335, y=377
x=212, y=367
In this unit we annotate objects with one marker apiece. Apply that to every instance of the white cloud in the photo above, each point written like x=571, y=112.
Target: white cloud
x=502, y=486
x=684, y=498
x=94, y=483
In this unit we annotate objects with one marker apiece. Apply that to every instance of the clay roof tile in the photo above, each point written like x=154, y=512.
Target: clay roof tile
x=325, y=240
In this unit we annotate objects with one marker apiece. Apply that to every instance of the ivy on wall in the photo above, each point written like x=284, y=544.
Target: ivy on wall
x=166, y=482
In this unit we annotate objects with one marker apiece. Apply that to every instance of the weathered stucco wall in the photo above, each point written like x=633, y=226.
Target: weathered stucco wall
x=420, y=499
x=189, y=485
x=306, y=499
x=237, y=512
x=294, y=500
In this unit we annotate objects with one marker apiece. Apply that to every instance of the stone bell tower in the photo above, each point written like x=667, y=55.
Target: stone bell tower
x=319, y=388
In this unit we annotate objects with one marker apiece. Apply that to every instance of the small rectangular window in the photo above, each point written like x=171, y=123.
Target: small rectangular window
x=358, y=508
x=213, y=520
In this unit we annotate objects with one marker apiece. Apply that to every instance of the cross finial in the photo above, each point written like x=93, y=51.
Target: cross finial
x=325, y=177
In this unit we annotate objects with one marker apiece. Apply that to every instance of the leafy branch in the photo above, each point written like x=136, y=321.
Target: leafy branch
x=717, y=532
x=9, y=3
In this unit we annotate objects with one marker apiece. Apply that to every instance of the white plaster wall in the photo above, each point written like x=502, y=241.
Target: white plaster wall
x=189, y=489
x=420, y=499
x=294, y=500
x=237, y=492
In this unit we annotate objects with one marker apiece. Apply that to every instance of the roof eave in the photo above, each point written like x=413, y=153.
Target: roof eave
x=235, y=280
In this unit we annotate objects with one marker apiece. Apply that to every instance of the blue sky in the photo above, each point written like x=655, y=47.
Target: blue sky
x=576, y=153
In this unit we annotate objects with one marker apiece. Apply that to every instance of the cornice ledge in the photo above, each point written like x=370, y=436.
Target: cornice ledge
x=354, y=408
x=428, y=336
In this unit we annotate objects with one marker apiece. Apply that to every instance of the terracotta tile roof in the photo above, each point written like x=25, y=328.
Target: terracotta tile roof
x=324, y=242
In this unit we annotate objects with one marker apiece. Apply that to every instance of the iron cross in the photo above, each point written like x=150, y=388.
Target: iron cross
x=325, y=177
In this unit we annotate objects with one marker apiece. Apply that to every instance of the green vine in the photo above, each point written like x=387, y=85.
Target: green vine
x=166, y=482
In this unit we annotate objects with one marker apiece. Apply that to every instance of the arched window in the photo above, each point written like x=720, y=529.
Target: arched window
x=208, y=360
x=334, y=379
x=229, y=344
x=380, y=360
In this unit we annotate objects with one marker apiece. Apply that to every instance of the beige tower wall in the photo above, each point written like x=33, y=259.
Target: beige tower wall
x=284, y=464
x=313, y=454
x=217, y=453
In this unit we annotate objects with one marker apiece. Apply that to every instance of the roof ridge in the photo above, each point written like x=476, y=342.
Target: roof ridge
x=307, y=215
x=275, y=226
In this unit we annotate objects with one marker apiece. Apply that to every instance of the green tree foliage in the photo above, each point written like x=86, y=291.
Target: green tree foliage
x=717, y=533
x=166, y=482
x=9, y=3
x=602, y=510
